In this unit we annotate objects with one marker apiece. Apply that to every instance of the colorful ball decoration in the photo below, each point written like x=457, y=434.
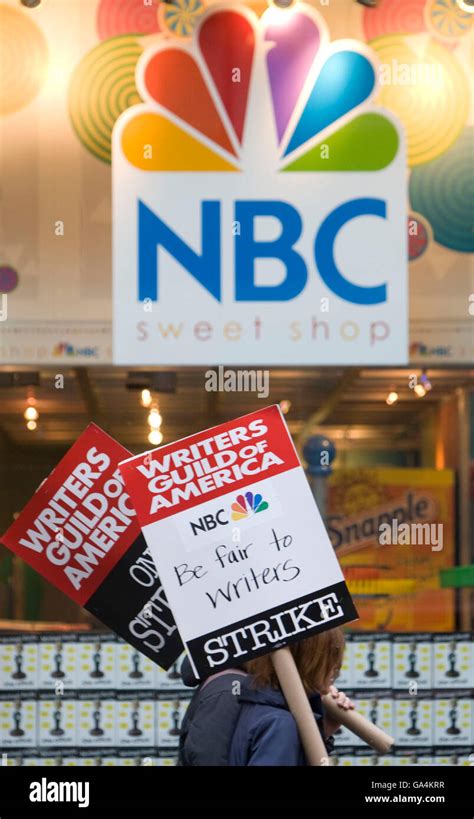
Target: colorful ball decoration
x=445, y=19
x=23, y=59
x=312, y=452
x=419, y=236
x=425, y=86
x=8, y=278
x=115, y=17
x=443, y=191
x=180, y=17
x=102, y=87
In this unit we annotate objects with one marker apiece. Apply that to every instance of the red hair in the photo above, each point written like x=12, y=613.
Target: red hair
x=318, y=660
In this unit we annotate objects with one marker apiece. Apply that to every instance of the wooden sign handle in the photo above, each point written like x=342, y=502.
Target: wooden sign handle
x=366, y=730
x=298, y=703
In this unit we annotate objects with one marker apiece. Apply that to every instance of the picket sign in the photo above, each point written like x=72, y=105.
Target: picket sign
x=79, y=531
x=240, y=547
x=241, y=550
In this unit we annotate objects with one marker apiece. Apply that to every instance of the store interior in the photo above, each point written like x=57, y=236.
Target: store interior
x=374, y=416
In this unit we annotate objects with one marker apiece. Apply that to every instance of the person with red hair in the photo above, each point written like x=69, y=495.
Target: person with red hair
x=240, y=717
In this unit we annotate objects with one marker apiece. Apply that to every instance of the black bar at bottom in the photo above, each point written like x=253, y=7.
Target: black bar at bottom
x=431, y=790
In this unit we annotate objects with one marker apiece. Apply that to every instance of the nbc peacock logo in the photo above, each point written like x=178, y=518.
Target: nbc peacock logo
x=259, y=174
x=247, y=505
x=198, y=97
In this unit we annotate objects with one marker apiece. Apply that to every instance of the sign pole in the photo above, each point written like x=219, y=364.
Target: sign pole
x=298, y=703
x=359, y=725
x=295, y=695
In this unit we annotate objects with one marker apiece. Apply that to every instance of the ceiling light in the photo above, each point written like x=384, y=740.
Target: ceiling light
x=155, y=437
x=391, y=398
x=154, y=381
x=31, y=414
x=146, y=398
x=154, y=418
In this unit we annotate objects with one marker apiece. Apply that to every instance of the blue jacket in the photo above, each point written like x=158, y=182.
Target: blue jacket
x=266, y=732
x=251, y=727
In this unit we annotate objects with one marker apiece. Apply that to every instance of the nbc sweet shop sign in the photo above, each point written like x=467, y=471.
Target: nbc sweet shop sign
x=243, y=111
x=239, y=544
x=259, y=200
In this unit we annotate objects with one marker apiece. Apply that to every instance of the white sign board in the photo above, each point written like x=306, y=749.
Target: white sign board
x=259, y=200
x=238, y=541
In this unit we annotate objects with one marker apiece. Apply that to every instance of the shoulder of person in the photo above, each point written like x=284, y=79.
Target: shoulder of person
x=268, y=718
x=210, y=721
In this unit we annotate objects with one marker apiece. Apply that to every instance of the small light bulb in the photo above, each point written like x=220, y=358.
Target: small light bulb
x=146, y=398
x=391, y=398
x=285, y=406
x=154, y=419
x=155, y=437
x=31, y=425
x=420, y=390
x=31, y=414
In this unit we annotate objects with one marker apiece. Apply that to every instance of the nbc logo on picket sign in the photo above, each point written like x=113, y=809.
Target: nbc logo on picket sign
x=259, y=199
x=246, y=505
